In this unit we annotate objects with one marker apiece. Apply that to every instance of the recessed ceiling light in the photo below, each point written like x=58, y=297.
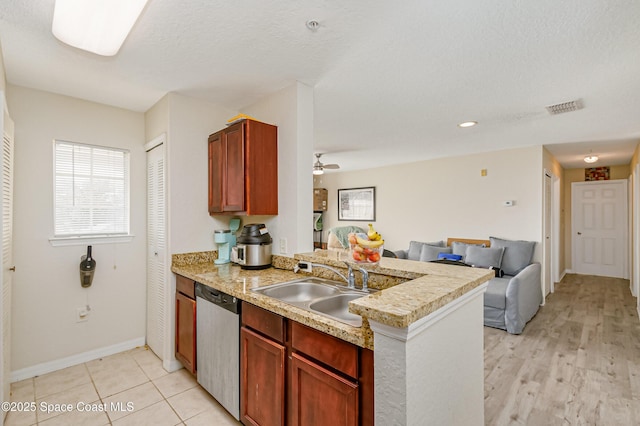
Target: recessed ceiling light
x=97, y=26
x=468, y=124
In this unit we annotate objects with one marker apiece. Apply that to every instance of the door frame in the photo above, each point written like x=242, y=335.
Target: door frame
x=625, y=235
x=554, y=228
x=635, y=250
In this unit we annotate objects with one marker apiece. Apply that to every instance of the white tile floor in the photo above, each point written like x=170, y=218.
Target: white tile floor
x=132, y=386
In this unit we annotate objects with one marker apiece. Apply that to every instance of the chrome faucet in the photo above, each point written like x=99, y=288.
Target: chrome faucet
x=351, y=281
x=320, y=265
x=350, y=278
x=365, y=278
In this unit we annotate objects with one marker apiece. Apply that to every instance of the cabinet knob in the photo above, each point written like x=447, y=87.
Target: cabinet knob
x=13, y=268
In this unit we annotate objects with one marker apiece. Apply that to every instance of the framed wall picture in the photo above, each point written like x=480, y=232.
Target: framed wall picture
x=357, y=204
x=596, y=173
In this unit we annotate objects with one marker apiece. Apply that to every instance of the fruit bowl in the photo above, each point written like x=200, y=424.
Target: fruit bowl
x=362, y=254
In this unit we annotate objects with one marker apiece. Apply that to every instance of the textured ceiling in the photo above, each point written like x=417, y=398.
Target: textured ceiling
x=391, y=79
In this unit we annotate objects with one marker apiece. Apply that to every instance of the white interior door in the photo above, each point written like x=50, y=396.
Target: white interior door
x=548, y=226
x=7, y=248
x=600, y=228
x=156, y=249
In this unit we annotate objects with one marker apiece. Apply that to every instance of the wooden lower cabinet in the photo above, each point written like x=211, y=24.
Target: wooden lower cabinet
x=321, y=397
x=294, y=375
x=186, y=323
x=262, y=380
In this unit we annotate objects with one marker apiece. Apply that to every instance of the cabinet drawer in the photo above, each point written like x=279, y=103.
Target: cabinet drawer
x=186, y=286
x=267, y=323
x=336, y=353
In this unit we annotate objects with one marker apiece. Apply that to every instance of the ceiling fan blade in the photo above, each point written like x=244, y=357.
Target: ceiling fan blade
x=330, y=166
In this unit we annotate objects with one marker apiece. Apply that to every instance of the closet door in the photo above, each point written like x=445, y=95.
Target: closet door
x=157, y=288
x=7, y=248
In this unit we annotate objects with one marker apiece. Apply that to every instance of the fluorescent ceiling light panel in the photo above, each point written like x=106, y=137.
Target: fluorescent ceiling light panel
x=97, y=26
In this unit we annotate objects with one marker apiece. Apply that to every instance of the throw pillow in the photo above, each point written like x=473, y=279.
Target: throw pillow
x=415, y=247
x=517, y=254
x=484, y=257
x=461, y=248
x=429, y=253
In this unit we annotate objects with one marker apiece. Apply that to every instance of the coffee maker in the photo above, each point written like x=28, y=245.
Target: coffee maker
x=225, y=239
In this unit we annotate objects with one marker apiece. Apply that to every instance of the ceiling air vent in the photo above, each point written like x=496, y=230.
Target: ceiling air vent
x=564, y=107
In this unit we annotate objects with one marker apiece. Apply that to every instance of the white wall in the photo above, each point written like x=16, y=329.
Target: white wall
x=448, y=197
x=291, y=109
x=191, y=121
x=3, y=80
x=47, y=290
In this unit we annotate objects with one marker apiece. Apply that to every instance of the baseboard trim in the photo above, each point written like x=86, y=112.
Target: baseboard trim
x=171, y=365
x=59, y=364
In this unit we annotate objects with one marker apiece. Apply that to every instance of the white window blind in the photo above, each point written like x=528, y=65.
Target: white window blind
x=91, y=190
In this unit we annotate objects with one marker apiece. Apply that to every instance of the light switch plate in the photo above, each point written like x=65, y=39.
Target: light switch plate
x=283, y=245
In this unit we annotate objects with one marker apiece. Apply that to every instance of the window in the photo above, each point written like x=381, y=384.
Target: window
x=91, y=191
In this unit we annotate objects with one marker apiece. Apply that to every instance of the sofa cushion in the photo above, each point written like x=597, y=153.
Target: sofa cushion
x=484, y=257
x=517, y=254
x=429, y=253
x=496, y=294
x=460, y=248
x=415, y=247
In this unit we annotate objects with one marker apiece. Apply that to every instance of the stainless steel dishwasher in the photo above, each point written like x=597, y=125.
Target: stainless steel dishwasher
x=218, y=346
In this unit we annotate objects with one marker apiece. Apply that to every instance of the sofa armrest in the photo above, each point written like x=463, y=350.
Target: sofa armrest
x=523, y=298
x=402, y=254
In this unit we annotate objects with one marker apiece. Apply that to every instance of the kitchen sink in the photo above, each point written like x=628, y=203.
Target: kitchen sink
x=302, y=291
x=337, y=307
x=318, y=295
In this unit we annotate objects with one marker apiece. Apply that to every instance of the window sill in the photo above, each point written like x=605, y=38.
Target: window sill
x=89, y=240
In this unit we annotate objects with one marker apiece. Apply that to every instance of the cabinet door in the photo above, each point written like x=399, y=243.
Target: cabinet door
x=216, y=157
x=261, y=168
x=186, y=331
x=233, y=180
x=320, y=397
x=262, y=383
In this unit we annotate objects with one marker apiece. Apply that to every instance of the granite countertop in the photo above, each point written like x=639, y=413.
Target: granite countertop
x=238, y=282
x=409, y=290
x=427, y=287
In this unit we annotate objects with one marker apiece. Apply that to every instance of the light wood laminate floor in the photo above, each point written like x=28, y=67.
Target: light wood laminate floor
x=576, y=363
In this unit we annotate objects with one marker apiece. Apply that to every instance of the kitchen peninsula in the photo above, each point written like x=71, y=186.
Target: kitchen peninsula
x=424, y=325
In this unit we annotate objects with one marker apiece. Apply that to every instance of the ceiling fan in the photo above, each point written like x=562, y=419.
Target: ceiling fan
x=318, y=167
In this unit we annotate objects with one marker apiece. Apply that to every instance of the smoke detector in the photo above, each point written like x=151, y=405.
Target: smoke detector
x=565, y=107
x=313, y=25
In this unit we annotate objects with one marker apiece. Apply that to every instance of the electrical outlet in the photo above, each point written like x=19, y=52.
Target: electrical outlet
x=305, y=266
x=283, y=246
x=82, y=314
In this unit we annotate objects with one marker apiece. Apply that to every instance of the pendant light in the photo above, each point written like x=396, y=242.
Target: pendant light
x=591, y=158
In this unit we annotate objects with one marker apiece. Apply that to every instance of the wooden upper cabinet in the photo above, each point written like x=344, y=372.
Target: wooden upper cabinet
x=243, y=169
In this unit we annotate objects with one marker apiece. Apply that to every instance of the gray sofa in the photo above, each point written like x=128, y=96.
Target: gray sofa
x=514, y=296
